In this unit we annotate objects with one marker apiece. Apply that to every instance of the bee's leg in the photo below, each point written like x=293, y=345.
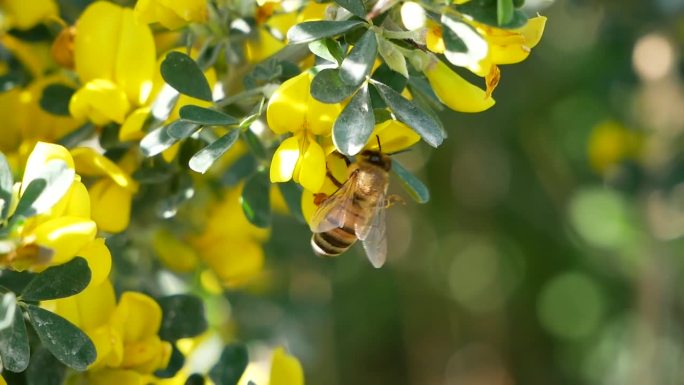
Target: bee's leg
x=392, y=199
x=319, y=198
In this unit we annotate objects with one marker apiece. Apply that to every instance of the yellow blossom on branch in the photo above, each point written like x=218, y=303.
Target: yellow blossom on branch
x=172, y=14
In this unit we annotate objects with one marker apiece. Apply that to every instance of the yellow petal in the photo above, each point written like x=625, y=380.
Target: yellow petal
x=137, y=316
x=234, y=261
x=96, y=304
x=393, y=135
x=24, y=14
x=292, y=108
x=116, y=377
x=174, y=253
x=106, y=195
x=456, y=92
x=132, y=128
x=135, y=58
x=65, y=236
x=99, y=260
x=2, y=381
x=284, y=160
x=78, y=201
x=533, y=30
x=263, y=46
x=98, y=31
x=312, y=172
x=171, y=14
x=285, y=369
x=312, y=11
x=433, y=38
x=107, y=345
x=143, y=356
x=40, y=156
x=100, y=101
x=90, y=162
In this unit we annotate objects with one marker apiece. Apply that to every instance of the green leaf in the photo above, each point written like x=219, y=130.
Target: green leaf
x=394, y=59
x=157, y=141
x=183, y=316
x=74, y=138
x=44, y=369
x=256, y=202
x=6, y=183
x=328, y=87
x=243, y=167
x=355, y=124
x=293, y=198
x=48, y=187
x=63, y=339
x=205, y=157
x=358, y=64
x=8, y=303
x=488, y=14
x=230, y=366
x=14, y=344
x=195, y=379
x=255, y=146
x=504, y=11
x=206, y=116
x=181, y=129
x=58, y=281
x=309, y=31
x=416, y=189
x=420, y=121
x=185, y=76
x=463, y=44
x=356, y=7
x=328, y=49
x=176, y=362
x=55, y=99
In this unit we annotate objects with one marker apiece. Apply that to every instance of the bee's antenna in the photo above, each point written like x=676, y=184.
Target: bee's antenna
x=379, y=145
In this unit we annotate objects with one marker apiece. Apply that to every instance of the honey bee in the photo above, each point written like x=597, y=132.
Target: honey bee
x=356, y=211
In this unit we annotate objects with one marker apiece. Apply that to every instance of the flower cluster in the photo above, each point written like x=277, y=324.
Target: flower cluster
x=184, y=130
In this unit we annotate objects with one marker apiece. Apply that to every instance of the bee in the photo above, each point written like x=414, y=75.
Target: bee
x=356, y=211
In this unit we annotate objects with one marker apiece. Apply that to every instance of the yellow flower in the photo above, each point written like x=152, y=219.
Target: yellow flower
x=504, y=46
x=2, y=381
x=609, y=144
x=24, y=14
x=231, y=249
x=116, y=189
x=172, y=14
x=293, y=109
x=114, y=56
x=265, y=44
x=125, y=335
x=285, y=369
x=456, y=92
x=66, y=229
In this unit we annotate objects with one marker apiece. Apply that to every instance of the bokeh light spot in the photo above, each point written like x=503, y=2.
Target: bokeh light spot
x=600, y=217
x=570, y=306
x=653, y=57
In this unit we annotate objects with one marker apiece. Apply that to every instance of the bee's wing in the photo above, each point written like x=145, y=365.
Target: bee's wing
x=375, y=236
x=332, y=213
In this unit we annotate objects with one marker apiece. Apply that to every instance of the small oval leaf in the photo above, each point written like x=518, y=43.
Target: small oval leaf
x=504, y=11
x=181, y=129
x=356, y=7
x=204, y=158
x=355, y=124
x=420, y=121
x=183, y=316
x=156, y=141
x=62, y=338
x=183, y=74
x=14, y=344
x=58, y=281
x=358, y=64
x=327, y=87
x=206, y=116
x=487, y=14
x=328, y=49
x=6, y=184
x=416, y=189
x=230, y=366
x=256, y=201
x=394, y=59
x=55, y=99
x=309, y=31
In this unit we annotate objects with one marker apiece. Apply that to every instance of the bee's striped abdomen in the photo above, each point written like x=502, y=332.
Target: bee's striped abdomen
x=334, y=242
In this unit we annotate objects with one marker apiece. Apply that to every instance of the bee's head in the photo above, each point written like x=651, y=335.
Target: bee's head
x=376, y=158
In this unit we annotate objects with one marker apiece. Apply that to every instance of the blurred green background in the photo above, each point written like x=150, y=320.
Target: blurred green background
x=550, y=252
